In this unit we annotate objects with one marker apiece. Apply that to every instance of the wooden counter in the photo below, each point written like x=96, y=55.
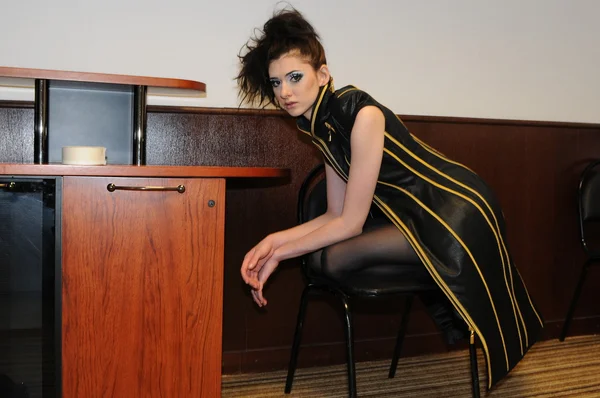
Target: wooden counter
x=141, y=276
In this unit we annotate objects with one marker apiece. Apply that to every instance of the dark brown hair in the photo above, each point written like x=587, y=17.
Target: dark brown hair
x=287, y=31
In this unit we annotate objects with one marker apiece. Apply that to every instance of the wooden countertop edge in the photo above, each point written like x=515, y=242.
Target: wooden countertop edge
x=90, y=77
x=12, y=169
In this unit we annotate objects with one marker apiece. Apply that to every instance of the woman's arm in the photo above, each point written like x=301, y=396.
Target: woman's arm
x=336, y=189
x=367, y=152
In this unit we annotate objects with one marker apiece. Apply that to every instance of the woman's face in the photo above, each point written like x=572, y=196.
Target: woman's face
x=296, y=83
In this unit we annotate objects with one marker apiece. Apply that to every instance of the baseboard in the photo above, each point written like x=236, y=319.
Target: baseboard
x=277, y=358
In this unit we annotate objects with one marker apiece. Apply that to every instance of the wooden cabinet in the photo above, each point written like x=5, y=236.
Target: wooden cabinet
x=142, y=282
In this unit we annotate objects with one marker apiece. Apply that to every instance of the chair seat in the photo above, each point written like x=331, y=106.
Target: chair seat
x=380, y=280
x=594, y=254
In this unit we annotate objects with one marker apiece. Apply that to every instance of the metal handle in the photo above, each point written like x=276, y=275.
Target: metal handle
x=112, y=187
x=9, y=185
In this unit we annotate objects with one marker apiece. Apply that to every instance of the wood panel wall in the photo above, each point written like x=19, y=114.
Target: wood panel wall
x=533, y=167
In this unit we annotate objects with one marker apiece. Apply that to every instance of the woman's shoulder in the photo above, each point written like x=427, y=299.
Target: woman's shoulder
x=349, y=89
x=349, y=100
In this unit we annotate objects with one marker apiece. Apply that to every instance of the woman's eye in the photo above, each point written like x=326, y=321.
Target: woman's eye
x=296, y=77
x=275, y=83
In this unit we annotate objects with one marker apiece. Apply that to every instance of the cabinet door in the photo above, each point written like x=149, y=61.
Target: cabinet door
x=142, y=275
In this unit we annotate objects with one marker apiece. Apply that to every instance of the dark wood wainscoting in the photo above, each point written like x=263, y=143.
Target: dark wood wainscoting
x=533, y=167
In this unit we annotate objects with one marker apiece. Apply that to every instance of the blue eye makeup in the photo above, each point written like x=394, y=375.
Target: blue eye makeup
x=296, y=76
x=293, y=77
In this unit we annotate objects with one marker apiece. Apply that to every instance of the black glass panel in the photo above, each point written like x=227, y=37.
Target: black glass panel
x=28, y=316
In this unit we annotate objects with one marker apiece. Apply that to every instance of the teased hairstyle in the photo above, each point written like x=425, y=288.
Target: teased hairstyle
x=287, y=31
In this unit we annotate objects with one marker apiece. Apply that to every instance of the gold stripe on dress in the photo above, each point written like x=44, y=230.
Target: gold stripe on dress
x=346, y=91
x=437, y=278
x=304, y=131
x=493, y=216
x=491, y=227
x=429, y=148
x=460, y=241
x=503, y=251
x=316, y=109
x=442, y=157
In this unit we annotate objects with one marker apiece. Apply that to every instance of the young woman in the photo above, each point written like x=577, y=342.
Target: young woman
x=440, y=214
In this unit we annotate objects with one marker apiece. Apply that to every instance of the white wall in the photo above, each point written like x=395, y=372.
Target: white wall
x=510, y=59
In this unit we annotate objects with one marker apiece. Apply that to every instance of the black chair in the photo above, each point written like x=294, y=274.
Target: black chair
x=374, y=281
x=588, y=198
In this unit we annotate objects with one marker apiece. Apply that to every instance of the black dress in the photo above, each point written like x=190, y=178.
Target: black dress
x=450, y=217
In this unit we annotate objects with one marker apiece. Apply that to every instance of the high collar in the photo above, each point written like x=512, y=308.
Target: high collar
x=319, y=112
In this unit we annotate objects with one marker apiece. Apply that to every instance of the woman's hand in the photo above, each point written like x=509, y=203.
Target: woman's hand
x=263, y=275
x=254, y=261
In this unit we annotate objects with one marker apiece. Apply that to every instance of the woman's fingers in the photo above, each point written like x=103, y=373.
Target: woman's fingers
x=256, y=255
x=255, y=297
x=266, y=270
x=250, y=275
x=257, y=280
x=253, y=279
x=253, y=272
x=251, y=260
x=245, y=266
x=258, y=298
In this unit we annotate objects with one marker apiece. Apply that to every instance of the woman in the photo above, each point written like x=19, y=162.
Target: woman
x=441, y=214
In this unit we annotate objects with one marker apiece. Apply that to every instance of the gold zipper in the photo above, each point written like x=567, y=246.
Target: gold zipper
x=329, y=130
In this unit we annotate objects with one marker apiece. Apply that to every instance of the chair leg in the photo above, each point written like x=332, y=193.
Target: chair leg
x=297, y=338
x=474, y=370
x=400, y=338
x=349, y=348
x=573, y=304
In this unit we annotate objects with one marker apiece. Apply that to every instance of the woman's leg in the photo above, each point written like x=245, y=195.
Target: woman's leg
x=381, y=243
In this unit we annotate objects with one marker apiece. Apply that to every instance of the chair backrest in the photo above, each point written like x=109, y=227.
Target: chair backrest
x=312, y=202
x=589, y=197
x=589, y=192
x=312, y=197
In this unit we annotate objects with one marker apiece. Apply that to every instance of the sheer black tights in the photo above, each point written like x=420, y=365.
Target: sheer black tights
x=380, y=243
